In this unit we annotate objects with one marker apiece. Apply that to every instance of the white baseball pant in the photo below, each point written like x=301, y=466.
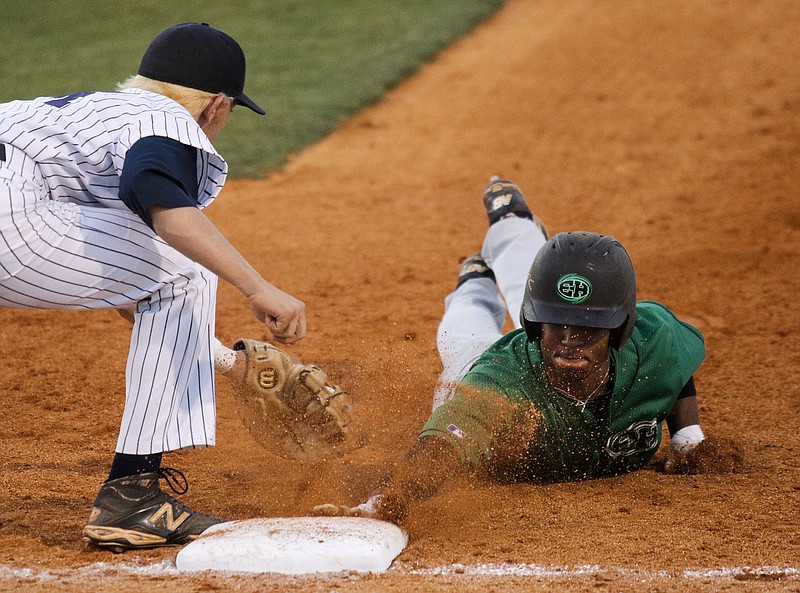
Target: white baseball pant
x=62, y=255
x=476, y=311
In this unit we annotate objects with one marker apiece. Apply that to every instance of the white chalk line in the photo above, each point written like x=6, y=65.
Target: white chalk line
x=556, y=572
x=167, y=569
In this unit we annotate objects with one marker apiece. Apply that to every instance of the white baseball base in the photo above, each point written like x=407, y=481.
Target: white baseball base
x=296, y=545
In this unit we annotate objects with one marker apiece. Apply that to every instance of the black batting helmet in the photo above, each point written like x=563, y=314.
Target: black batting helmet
x=581, y=279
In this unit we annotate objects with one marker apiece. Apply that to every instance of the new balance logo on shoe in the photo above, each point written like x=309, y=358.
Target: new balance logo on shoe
x=503, y=199
x=167, y=512
x=500, y=201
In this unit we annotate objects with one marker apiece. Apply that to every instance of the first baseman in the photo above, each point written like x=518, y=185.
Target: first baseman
x=101, y=198
x=578, y=390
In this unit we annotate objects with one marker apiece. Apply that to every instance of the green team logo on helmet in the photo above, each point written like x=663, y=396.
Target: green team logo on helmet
x=574, y=288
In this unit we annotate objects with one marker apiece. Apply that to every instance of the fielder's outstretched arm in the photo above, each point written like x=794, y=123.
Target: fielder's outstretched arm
x=191, y=232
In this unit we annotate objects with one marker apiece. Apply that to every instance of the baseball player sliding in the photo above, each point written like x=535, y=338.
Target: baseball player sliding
x=101, y=198
x=578, y=390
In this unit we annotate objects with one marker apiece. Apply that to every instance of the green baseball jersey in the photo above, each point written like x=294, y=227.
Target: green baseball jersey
x=505, y=419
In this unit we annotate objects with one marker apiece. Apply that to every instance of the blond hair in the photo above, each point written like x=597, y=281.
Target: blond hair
x=192, y=99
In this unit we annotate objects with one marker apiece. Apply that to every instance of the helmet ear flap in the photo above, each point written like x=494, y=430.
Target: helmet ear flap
x=532, y=329
x=616, y=338
x=623, y=333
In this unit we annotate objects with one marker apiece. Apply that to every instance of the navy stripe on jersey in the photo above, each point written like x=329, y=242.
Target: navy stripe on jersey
x=80, y=145
x=158, y=172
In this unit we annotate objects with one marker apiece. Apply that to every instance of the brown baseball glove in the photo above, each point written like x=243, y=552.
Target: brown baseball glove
x=291, y=408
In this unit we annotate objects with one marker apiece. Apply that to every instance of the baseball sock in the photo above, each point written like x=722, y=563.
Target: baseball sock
x=130, y=465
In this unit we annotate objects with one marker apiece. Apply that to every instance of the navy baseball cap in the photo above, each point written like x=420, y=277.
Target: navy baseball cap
x=198, y=56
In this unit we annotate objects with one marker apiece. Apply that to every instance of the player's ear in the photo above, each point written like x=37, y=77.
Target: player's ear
x=210, y=109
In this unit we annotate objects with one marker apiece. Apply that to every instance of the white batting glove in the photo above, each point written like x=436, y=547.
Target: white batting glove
x=686, y=439
x=367, y=509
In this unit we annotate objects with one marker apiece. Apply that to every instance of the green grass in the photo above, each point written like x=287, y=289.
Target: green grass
x=311, y=63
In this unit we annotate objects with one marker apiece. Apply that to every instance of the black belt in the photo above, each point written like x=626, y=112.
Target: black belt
x=2, y=152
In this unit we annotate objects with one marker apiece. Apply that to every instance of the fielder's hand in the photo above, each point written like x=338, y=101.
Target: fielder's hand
x=284, y=315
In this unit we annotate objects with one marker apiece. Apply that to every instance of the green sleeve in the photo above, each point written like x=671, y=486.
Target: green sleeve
x=472, y=419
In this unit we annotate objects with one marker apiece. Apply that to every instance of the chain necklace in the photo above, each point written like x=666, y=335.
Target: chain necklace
x=582, y=402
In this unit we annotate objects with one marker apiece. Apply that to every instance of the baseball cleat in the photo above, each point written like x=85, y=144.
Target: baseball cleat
x=503, y=199
x=134, y=513
x=474, y=267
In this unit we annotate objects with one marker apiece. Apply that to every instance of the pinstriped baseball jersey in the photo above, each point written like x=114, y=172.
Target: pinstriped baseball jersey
x=79, y=141
x=67, y=241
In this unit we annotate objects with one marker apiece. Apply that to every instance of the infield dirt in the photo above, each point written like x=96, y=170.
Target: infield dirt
x=672, y=125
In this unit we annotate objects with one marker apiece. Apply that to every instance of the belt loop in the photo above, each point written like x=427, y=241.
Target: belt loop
x=2, y=152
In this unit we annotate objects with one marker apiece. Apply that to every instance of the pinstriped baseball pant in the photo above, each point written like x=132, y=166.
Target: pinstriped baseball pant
x=60, y=255
x=476, y=311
